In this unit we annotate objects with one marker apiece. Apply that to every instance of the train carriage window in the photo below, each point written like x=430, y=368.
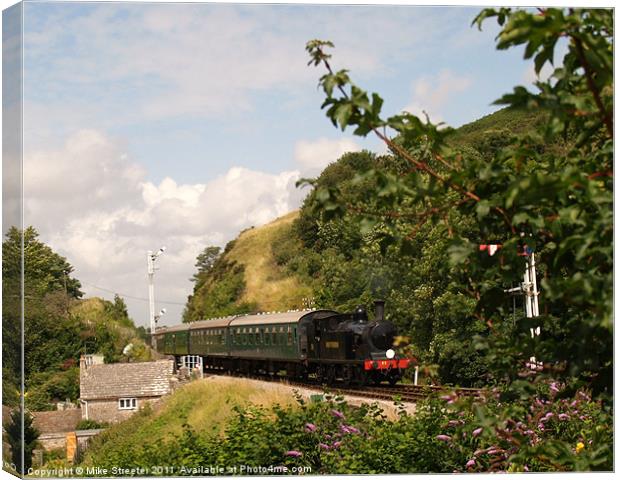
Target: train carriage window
x=290, y=336
x=274, y=338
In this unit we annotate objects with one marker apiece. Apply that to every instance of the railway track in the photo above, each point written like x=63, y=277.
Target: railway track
x=402, y=392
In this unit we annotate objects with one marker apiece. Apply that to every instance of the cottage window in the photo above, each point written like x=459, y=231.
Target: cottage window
x=127, y=403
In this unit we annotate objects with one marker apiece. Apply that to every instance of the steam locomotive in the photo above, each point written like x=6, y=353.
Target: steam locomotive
x=327, y=345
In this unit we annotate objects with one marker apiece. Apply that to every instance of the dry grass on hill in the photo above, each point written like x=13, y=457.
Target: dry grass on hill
x=267, y=284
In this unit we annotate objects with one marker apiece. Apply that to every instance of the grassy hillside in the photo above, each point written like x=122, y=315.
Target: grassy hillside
x=511, y=122
x=267, y=284
x=249, y=276
x=204, y=405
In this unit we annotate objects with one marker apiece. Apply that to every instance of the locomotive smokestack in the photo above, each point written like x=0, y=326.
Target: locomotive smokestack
x=379, y=310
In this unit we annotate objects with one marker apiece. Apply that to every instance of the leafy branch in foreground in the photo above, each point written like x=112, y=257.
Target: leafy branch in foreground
x=551, y=188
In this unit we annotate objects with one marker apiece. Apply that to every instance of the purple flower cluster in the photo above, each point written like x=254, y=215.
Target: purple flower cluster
x=547, y=417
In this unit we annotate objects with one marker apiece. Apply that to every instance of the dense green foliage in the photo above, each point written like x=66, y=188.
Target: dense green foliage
x=218, y=286
x=331, y=437
x=88, y=424
x=58, y=325
x=48, y=290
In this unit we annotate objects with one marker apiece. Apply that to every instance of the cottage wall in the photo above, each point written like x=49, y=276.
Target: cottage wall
x=107, y=410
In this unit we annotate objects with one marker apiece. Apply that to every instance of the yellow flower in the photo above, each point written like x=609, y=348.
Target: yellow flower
x=580, y=446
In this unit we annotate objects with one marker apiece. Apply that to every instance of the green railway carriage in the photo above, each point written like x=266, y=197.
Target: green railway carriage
x=271, y=336
x=172, y=340
x=209, y=337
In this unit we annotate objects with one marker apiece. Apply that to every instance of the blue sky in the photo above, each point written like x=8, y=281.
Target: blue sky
x=181, y=124
x=127, y=69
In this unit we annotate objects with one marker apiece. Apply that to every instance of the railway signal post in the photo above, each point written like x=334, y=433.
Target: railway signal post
x=529, y=289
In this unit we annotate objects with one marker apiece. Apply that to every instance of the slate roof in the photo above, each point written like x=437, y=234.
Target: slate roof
x=116, y=380
x=57, y=421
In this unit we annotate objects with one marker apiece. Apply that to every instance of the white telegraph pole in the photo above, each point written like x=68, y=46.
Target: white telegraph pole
x=150, y=269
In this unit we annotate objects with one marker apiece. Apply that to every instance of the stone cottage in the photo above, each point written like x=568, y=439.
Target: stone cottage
x=113, y=392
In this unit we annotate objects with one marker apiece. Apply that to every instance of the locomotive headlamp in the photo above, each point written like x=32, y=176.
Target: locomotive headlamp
x=390, y=354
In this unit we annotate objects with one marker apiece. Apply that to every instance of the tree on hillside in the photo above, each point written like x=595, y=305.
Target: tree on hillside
x=205, y=262
x=559, y=201
x=48, y=288
x=44, y=270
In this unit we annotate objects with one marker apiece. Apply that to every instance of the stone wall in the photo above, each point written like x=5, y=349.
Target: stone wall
x=108, y=411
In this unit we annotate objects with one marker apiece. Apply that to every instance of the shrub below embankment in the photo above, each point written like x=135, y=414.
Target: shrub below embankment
x=561, y=431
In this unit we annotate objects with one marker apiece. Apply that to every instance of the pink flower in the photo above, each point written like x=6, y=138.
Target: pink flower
x=293, y=453
x=349, y=429
x=310, y=427
x=337, y=414
x=554, y=387
x=454, y=423
x=476, y=432
x=444, y=438
x=563, y=416
x=324, y=446
x=470, y=463
x=336, y=444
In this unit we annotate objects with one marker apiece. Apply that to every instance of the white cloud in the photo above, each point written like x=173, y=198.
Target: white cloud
x=313, y=156
x=96, y=208
x=432, y=93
